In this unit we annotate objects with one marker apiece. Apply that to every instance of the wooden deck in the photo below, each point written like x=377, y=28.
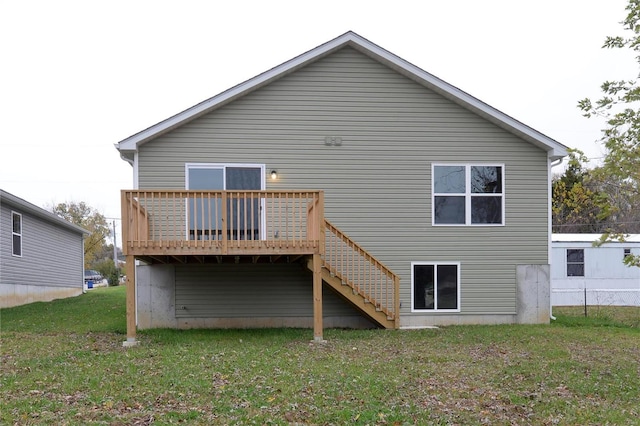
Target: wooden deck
x=213, y=223
x=193, y=226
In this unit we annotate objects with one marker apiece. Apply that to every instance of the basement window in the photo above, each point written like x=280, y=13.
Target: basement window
x=575, y=262
x=435, y=287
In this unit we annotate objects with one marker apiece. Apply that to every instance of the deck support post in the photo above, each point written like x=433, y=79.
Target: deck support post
x=131, y=302
x=317, y=299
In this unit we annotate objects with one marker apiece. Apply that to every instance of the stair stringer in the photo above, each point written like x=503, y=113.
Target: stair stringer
x=355, y=298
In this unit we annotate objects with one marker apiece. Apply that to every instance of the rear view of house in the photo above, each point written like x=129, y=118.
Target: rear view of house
x=345, y=187
x=41, y=255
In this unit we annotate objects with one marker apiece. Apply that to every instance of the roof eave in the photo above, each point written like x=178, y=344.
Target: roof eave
x=25, y=206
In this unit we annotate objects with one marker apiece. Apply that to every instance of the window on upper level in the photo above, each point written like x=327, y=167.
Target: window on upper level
x=468, y=194
x=16, y=234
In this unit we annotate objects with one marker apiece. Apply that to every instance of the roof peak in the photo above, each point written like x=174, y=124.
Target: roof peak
x=555, y=149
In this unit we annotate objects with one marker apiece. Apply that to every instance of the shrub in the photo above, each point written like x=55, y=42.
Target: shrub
x=108, y=270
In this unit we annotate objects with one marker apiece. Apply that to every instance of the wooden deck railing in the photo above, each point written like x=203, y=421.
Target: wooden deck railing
x=357, y=268
x=194, y=222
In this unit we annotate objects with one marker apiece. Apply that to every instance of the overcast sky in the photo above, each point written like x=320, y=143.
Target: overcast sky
x=79, y=76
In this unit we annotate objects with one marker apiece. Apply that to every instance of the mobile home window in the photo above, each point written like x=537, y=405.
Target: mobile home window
x=468, y=194
x=435, y=286
x=16, y=234
x=575, y=262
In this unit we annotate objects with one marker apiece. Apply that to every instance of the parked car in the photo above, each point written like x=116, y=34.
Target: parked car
x=91, y=275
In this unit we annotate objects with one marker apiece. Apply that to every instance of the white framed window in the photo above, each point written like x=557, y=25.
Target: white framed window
x=16, y=234
x=467, y=194
x=435, y=286
x=575, y=262
x=627, y=253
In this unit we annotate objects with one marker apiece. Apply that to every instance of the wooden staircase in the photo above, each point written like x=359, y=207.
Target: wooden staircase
x=358, y=277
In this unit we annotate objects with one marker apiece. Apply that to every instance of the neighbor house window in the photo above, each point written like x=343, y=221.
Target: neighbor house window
x=435, y=286
x=627, y=253
x=16, y=234
x=575, y=262
x=468, y=194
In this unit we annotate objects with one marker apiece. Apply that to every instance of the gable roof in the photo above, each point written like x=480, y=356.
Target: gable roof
x=22, y=206
x=554, y=149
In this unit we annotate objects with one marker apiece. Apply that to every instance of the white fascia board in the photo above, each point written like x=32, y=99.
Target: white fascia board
x=554, y=149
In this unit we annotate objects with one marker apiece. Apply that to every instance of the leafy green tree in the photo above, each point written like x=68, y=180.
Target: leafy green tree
x=90, y=219
x=578, y=205
x=620, y=106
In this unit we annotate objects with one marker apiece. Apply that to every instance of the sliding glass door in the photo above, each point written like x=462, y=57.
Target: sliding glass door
x=244, y=218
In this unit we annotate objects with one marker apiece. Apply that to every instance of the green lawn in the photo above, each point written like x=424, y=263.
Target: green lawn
x=63, y=363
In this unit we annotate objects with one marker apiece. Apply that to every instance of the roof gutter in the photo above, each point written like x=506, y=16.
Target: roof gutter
x=123, y=154
x=557, y=162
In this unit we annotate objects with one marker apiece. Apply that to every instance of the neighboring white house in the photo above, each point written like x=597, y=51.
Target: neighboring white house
x=579, y=270
x=41, y=255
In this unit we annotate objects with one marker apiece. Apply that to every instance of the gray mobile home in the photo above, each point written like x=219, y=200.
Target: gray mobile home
x=345, y=187
x=41, y=255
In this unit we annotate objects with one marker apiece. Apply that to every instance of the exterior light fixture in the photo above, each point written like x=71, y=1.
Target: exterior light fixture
x=274, y=174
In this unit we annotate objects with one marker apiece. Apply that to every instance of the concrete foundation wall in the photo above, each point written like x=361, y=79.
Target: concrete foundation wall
x=533, y=294
x=155, y=286
x=16, y=294
x=456, y=319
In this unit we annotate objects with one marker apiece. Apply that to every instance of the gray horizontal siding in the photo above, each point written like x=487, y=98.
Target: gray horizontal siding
x=52, y=256
x=377, y=184
x=256, y=290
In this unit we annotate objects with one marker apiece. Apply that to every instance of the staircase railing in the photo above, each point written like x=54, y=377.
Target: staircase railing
x=360, y=270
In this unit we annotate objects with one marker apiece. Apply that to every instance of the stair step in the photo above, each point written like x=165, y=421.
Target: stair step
x=356, y=295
